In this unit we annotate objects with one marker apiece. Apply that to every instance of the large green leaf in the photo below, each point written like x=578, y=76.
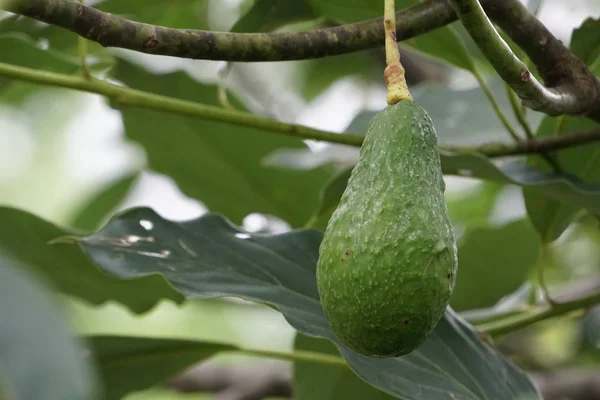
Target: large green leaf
x=585, y=41
x=185, y=14
x=128, y=364
x=330, y=198
x=217, y=163
x=24, y=239
x=549, y=216
x=209, y=257
x=268, y=15
x=494, y=262
x=327, y=382
x=39, y=359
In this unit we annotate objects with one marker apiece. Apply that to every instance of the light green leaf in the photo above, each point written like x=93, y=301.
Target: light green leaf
x=493, y=262
x=217, y=163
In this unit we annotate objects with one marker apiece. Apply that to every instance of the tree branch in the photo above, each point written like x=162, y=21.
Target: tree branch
x=570, y=88
x=114, y=31
x=139, y=99
x=532, y=146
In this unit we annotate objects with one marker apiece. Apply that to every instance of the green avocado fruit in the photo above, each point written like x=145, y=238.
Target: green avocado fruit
x=387, y=263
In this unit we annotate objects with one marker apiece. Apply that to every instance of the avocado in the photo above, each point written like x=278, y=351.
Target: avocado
x=388, y=261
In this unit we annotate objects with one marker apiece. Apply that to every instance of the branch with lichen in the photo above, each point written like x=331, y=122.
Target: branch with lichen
x=569, y=87
x=111, y=30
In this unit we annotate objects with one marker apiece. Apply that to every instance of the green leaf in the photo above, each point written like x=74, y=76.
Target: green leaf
x=39, y=359
x=494, y=262
x=559, y=187
x=209, y=257
x=329, y=199
x=268, y=15
x=444, y=44
x=327, y=382
x=184, y=14
x=585, y=41
x=128, y=364
x=24, y=239
x=549, y=216
x=97, y=210
x=18, y=49
x=217, y=163
x=473, y=208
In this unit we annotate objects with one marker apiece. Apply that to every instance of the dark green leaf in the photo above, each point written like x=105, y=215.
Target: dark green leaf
x=128, y=364
x=184, y=14
x=268, y=15
x=551, y=216
x=24, y=238
x=585, y=41
x=494, y=262
x=209, y=257
x=217, y=163
x=562, y=188
x=39, y=359
x=444, y=44
x=326, y=382
x=97, y=210
x=329, y=199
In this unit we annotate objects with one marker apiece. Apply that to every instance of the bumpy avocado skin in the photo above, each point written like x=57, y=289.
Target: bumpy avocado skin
x=387, y=263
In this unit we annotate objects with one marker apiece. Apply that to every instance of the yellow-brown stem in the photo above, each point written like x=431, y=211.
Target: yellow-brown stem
x=395, y=81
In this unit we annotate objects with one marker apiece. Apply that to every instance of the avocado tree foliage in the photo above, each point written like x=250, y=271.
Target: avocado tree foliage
x=544, y=97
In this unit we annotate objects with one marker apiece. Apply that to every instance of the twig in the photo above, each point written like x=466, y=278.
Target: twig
x=523, y=320
x=495, y=106
x=534, y=146
x=140, y=99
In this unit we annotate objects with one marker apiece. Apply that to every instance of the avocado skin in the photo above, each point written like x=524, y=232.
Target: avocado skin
x=388, y=260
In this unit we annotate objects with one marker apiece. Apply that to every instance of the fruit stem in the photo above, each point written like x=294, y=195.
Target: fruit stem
x=395, y=81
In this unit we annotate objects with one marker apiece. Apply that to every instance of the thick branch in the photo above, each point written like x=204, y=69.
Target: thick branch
x=560, y=100
x=113, y=31
x=574, y=90
x=557, y=65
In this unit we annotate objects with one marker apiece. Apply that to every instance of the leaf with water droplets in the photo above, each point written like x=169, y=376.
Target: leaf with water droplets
x=210, y=257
